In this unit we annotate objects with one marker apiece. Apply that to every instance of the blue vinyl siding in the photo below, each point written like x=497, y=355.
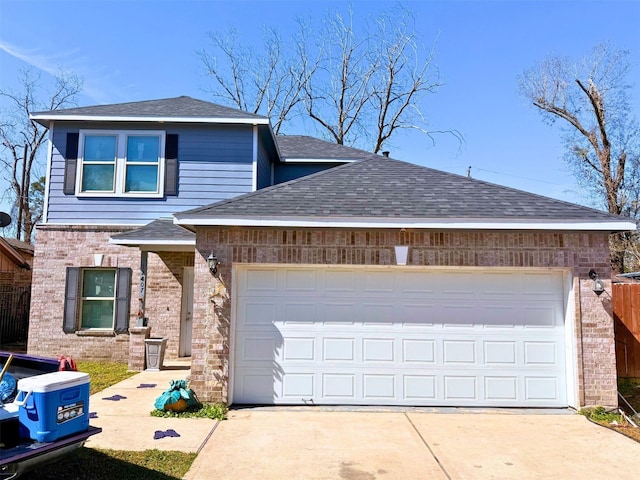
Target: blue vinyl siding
x=264, y=167
x=283, y=172
x=214, y=163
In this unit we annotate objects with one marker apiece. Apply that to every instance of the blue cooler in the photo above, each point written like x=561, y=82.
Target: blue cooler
x=53, y=405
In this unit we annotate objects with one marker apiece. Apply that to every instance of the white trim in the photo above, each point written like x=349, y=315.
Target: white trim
x=232, y=332
x=92, y=224
x=438, y=224
x=570, y=348
x=190, y=243
x=254, y=172
x=47, y=182
x=319, y=160
x=116, y=118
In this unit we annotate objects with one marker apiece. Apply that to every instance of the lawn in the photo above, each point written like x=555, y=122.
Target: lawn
x=631, y=392
x=96, y=464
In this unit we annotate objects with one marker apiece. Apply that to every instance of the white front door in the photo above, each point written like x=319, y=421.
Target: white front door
x=187, y=312
x=399, y=336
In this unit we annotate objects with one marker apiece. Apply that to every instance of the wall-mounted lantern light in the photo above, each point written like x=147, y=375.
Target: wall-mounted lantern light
x=212, y=263
x=598, y=285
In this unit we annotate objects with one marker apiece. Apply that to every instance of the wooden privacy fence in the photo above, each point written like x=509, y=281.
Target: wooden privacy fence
x=626, y=318
x=14, y=313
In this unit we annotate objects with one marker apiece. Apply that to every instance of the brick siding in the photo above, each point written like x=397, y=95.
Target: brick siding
x=59, y=247
x=578, y=252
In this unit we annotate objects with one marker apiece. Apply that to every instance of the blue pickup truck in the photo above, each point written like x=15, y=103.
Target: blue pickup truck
x=20, y=453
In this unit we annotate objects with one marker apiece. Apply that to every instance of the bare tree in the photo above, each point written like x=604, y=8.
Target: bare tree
x=267, y=83
x=22, y=139
x=373, y=82
x=358, y=86
x=591, y=98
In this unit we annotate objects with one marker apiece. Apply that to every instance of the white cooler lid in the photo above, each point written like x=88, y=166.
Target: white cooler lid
x=8, y=410
x=50, y=382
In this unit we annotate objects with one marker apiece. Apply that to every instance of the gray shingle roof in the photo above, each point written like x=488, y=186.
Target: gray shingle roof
x=304, y=147
x=383, y=188
x=178, y=107
x=161, y=230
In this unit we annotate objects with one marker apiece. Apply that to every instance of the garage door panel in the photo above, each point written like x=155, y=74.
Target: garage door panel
x=338, y=349
x=260, y=282
x=301, y=280
x=340, y=282
x=378, y=386
x=418, y=351
x=460, y=387
x=339, y=386
x=257, y=313
x=419, y=388
x=378, y=314
x=297, y=349
x=540, y=353
x=298, y=386
x=403, y=336
x=301, y=313
x=543, y=388
x=499, y=353
x=339, y=313
x=417, y=314
x=459, y=351
x=501, y=388
x=378, y=350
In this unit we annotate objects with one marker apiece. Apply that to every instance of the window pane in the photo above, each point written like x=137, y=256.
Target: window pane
x=142, y=178
x=98, y=283
x=97, y=177
x=97, y=314
x=99, y=147
x=142, y=149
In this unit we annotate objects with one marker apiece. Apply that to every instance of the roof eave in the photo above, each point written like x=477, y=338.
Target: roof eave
x=155, y=244
x=44, y=119
x=190, y=220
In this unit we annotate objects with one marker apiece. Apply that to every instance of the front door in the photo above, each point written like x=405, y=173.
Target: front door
x=187, y=312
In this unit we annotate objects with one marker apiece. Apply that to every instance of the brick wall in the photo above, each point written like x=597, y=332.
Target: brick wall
x=58, y=247
x=578, y=252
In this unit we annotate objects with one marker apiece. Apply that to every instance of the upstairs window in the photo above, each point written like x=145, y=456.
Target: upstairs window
x=129, y=163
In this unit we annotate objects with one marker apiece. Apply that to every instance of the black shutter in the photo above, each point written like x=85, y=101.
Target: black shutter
x=70, y=317
x=123, y=300
x=71, y=160
x=171, y=165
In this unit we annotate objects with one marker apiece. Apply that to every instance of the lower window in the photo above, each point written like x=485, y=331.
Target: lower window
x=98, y=298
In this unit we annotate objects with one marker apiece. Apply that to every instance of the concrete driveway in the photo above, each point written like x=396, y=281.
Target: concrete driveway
x=319, y=444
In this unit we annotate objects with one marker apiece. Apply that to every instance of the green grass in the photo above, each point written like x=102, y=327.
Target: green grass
x=98, y=464
x=94, y=464
x=104, y=374
x=600, y=415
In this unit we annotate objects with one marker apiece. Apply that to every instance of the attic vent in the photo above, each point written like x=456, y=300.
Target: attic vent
x=385, y=153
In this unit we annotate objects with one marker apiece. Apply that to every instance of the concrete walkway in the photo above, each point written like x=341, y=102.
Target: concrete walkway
x=122, y=411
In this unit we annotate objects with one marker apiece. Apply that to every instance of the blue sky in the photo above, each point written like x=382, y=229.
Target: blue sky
x=139, y=50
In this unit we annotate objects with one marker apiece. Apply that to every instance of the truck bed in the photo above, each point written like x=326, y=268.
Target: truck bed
x=29, y=454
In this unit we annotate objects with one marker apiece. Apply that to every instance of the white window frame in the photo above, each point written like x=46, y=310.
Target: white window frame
x=83, y=299
x=121, y=163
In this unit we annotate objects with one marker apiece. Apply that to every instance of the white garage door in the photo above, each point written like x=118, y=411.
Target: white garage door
x=398, y=336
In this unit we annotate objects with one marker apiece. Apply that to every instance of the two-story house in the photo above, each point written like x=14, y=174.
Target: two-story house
x=297, y=271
